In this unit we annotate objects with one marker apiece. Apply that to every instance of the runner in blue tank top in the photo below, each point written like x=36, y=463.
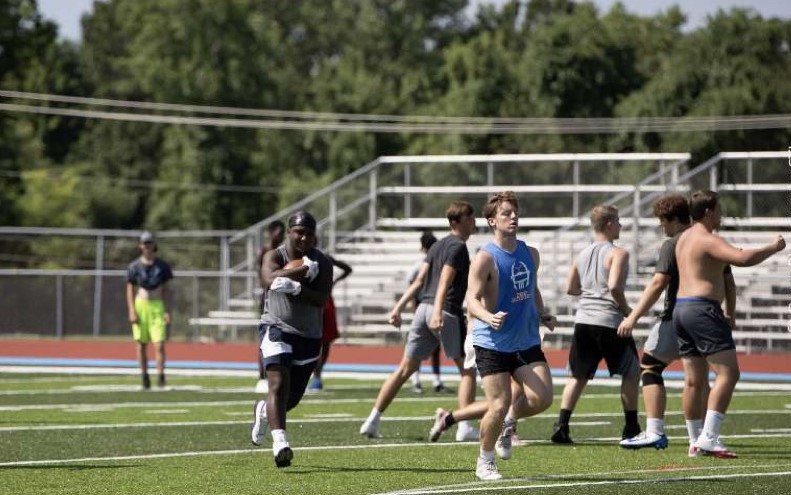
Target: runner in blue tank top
x=504, y=300
x=515, y=290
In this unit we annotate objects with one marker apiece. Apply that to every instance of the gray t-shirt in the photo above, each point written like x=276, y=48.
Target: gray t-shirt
x=666, y=263
x=596, y=305
x=295, y=314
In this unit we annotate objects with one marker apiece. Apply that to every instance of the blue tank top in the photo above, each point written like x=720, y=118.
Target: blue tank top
x=516, y=289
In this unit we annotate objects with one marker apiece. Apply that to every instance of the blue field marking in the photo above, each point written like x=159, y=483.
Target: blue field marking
x=348, y=367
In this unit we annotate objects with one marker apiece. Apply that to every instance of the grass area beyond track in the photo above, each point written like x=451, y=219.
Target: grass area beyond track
x=100, y=435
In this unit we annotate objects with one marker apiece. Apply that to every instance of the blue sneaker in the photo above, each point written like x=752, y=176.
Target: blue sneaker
x=315, y=385
x=645, y=439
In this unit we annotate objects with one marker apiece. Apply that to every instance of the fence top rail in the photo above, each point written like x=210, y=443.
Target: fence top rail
x=112, y=232
x=735, y=155
x=535, y=157
x=8, y=272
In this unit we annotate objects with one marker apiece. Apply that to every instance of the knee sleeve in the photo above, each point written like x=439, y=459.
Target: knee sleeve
x=651, y=370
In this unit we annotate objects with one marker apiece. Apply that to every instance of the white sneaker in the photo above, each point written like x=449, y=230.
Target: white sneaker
x=503, y=445
x=262, y=387
x=713, y=447
x=370, y=429
x=467, y=433
x=645, y=439
x=694, y=451
x=439, y=425
x=258, y=431
x=283, y=454
x=487, y=470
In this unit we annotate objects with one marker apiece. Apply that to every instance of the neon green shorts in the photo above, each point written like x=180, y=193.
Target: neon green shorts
x=150, y=326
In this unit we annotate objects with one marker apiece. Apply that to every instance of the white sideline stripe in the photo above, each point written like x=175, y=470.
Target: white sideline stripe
x=488, y=486
x=170, y=455
x=325, y=419
x=678, y=469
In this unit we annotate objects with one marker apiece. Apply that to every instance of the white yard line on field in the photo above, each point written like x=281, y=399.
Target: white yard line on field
x=490, y=486
x=331, y=448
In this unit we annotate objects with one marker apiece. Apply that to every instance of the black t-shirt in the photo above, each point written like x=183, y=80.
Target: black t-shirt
x=666, y=263
x=451, y=251
x=149, y=277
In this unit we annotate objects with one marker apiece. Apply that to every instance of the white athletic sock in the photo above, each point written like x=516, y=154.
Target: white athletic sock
x=375, y=415
x=416, y=377
x=655, y=425
x=509, y=421
x=437, y=379
x=487, y=455
x=279, y=436
x=713, y=423
x=694, y=427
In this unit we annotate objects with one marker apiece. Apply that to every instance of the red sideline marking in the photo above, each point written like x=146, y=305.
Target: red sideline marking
x=246, y=352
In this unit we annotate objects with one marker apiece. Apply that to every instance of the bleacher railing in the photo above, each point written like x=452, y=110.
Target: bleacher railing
x=410, y=191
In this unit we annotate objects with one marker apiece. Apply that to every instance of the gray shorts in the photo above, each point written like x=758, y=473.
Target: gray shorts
x=422, y=341
x=662, y=341
x=701, y=327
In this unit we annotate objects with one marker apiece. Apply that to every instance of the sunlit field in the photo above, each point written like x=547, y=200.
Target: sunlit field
x=100, y=434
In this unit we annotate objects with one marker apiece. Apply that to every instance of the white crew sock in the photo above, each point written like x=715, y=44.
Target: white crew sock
x=694, y=427
x=487, y=455
x=655, y=425
x=375, y=415
x=713, y=423
x=279, y=436
x=416, y=378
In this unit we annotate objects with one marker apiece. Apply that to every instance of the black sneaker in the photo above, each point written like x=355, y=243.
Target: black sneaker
x=561, y=434
x=630, y=431
x=283, y=457
x=146, y=382
x=161, y=381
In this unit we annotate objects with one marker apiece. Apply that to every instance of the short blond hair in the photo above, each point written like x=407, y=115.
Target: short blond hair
x=601, y=215
x=495, y=200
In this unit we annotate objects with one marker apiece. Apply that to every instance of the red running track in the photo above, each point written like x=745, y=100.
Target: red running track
x=340, y=354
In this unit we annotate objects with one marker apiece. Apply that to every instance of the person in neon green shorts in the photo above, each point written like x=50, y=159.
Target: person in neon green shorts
x=147, y=303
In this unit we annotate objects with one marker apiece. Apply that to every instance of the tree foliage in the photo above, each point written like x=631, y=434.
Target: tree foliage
x=540, y=58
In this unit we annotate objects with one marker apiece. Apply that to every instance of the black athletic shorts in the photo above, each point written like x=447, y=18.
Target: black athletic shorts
x=592, y=343
x=701, y=327
x=491, y=362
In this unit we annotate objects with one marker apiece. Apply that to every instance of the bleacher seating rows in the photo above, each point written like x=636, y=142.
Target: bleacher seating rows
x=381, y=261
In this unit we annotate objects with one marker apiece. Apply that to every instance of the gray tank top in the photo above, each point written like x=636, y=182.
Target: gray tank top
x=596, y=305
x=291, y=314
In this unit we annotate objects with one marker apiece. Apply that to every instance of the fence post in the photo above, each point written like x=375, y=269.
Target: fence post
x=750, y=192
x=59, y=306
x=635, y=231
x=372, y=200
x=713, y=178
x=97, y=285
x=225, y=283
x=576, y=197
x=407, y=195
x=332, y=234
x=250, y=257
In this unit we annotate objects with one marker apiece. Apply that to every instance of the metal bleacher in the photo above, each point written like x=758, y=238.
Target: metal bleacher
x=371, y=220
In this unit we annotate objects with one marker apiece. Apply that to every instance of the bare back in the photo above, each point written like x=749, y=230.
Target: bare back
x=700, y=274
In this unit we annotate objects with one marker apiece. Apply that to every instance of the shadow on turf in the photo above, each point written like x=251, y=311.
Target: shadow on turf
x=310, y=469
x=81, y=467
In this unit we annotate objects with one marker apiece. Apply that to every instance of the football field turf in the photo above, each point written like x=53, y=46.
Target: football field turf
x=100, y=435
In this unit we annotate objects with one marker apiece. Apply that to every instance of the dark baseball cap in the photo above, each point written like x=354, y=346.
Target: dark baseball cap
x=147, y=237
x=302, y=219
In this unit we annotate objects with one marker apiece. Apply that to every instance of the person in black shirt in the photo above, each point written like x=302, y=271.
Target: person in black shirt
x=147, y=305
x=441, y=285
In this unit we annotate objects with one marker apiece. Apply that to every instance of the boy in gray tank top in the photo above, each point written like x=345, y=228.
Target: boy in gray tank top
x=598, y=276
x=290, y=328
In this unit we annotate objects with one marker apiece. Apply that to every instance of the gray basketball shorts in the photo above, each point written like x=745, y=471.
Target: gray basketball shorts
x=662, y=342
x=701, y=327
x=422, y=341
